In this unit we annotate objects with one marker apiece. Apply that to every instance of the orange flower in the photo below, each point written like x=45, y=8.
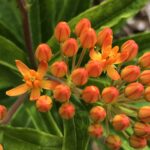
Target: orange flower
x=34, y=81
x=109, y=57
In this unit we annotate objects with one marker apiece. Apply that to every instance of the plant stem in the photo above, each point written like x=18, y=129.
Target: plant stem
x=27, y=33
x=13, y=109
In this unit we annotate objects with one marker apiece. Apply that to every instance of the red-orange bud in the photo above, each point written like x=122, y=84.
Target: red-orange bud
x=144, y=114
x=144, y=60
x=43, y=52
x=70, y=47
x=95, y=130
x=113, y=142
x=141, y=129
x=88, y=38
x=62, y=31
x=134, y=90
x=62, y=93
x=81, y=26
x=104, y=35
x=59, y=69
x=147, y=94
x=91, y=94
x=120, y=122
x=67, y=111
x=1, y=147
x=44, y=103
x=94, y=68
x=3, y=111
x=145, y=77
x=131, y=48
x=79, y=76
x=137, y=142
x=130, y=73
x=97, y=113
x=110, y=94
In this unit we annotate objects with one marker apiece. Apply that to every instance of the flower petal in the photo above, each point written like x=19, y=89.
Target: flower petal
x=35, y=94
x=21, y=89
x=121, y=57
x=95, y=55
x=24, y=70
x=49, y=84
x=42, y=68
x=112, y=73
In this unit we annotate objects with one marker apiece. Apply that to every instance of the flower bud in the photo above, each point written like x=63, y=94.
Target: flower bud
x=120, y=122
x=1, y=147
x=95, y=130
x=131, y=48
x=147, y=94
x=134, y=90
x=144, y=60
x=67, y=111
x=79, y=76
x=91, y=94
x=141, y=129
x=144, y=114
x=62, y=31
x=70, y=47
x=62, y=93
x=59, y=69
x=44, y=103
x=103, y=35
x=137, y=142
x=110, y=94
x=97, y=113
x=113, y=142
x=130, y=73
x=145, y=77
x=3, y=111
x=43, y=52
x=88, y=38
x=82, y=25
x=94, y=68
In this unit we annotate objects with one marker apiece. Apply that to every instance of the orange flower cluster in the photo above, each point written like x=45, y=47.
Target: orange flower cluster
x=112, y=105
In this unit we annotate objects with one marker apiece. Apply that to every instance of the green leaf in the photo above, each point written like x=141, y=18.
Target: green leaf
x=28, y=139
x=142, y=39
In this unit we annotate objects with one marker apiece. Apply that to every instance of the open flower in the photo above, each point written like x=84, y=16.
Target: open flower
x=34, y=81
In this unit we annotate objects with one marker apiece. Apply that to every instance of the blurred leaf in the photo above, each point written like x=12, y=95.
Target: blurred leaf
x=142, y=39
x=28, y=139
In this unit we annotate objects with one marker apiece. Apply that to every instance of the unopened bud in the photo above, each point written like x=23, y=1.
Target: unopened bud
x=88, y=38
x=79, y=76
x=131, y=48
x=91, y=94
x=70, y=47
x=134, y=90
x=1, y=147
x=104, y=35
x=147, y=94
x=67, y=111
x=97, y=113
x=43, y=53
x=120, y=122
x=59, y=69
x=110, y=94
x=113, y=142
x=44, y=103
x=95, y=130
x=141, y=129
x=145, y=77
x=62, y=31
x=3, y=111
x=62, y=93
x=144, y=60
x=130, y=73
x=137, y=142
x=144, y=114
x=81, y=26
x=94, y=68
